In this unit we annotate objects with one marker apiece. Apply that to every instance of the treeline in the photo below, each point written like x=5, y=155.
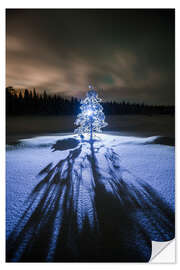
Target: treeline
x=31, y=102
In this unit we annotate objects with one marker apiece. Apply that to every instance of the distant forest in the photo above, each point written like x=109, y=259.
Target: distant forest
x=32, y=103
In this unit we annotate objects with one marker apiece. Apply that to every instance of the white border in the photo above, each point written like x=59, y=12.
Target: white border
x=91, y=4
x=73, y=4
x=2, y=136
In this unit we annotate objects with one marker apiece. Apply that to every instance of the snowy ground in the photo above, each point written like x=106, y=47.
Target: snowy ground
x=81, y=201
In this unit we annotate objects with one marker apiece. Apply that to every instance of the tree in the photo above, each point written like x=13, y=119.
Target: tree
x=34, y=93
x=91, y=118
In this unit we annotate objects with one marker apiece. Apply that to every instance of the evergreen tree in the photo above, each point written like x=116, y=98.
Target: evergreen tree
x=34, y=93
x=91, y=119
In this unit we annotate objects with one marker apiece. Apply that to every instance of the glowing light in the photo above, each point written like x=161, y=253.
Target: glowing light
x=91, y=118
x=89, y=112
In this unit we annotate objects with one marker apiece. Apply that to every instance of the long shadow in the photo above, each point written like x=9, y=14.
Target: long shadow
x=130, y=212
x=88, y=208
x=57, y=218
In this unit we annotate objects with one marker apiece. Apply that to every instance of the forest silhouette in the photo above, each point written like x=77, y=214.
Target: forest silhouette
x=30, y=102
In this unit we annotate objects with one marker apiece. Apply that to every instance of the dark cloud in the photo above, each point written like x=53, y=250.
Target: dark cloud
x=128, y=53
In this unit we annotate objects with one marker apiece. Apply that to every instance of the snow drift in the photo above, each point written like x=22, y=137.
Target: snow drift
x=101, y=200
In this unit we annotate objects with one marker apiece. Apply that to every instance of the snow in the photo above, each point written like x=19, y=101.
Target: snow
x=73, y=200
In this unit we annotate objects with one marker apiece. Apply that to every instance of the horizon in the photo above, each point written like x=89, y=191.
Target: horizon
x=79, y=99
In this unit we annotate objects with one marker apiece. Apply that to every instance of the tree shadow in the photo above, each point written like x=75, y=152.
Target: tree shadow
x=88, y=208
x=65, y=144
x=130, y=212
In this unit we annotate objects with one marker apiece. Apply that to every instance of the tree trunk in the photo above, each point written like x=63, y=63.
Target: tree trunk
x=91, y=131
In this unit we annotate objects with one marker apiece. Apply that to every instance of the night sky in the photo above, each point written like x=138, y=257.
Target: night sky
x=128, y=53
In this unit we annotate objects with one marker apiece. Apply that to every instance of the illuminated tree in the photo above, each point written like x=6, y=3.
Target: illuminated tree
x=91, y=119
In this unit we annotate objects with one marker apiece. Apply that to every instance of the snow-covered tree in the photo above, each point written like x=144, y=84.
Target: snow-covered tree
x=91, y=119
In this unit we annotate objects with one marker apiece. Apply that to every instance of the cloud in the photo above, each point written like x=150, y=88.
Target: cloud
x=130, y=54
